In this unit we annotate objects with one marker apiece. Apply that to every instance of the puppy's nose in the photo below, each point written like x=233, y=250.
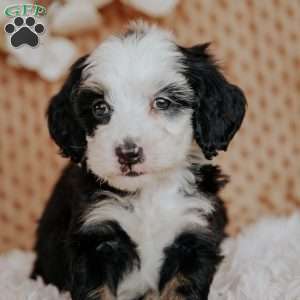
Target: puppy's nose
x=129, y=154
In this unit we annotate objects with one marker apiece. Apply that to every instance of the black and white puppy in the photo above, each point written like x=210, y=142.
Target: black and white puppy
x=136, y=215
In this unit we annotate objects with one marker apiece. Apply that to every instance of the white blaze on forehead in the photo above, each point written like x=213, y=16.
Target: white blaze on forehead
x=144, y=60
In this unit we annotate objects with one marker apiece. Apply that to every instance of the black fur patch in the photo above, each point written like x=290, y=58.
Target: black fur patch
x=194, y=256
x=63, y=123
x=83, y=101
x=209, y=178
x=219, y=107
x=101, y=256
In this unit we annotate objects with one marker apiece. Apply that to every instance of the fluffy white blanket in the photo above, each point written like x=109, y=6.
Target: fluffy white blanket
x=262, y=263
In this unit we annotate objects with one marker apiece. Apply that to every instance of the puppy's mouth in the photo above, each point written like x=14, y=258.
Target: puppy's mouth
x=133, y=174
x=127, y=170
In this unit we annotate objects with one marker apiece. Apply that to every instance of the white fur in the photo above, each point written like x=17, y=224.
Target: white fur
x=132, y=70
x=262, y=264
x=152, y=219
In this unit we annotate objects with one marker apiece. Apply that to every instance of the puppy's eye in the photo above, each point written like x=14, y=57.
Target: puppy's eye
x=161, y=103
x=100, y=108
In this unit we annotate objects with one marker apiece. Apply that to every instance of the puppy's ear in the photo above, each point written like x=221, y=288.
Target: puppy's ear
x=219, y=106
x=63, y=125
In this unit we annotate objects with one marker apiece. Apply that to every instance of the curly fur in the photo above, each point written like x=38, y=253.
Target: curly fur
x=139, y=206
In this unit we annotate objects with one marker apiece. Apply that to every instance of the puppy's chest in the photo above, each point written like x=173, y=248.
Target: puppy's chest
x=152, y=219
x=155, y=217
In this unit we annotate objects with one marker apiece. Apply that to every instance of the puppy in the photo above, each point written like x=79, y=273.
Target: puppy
x=136, y=214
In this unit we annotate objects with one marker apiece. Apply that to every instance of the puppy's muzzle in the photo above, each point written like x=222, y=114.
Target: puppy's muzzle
x=129, y=154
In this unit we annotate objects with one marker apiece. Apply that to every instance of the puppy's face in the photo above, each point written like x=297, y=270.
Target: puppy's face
x=137, y=106
x=133, y=107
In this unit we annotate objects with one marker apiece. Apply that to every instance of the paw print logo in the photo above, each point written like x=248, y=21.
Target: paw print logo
x=24, y=32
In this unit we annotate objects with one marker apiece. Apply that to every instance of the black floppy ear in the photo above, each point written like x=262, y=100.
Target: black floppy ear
x=219, y=106
x=63, y=125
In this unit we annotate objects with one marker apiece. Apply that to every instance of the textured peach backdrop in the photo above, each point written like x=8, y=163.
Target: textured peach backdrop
x=258, y=45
